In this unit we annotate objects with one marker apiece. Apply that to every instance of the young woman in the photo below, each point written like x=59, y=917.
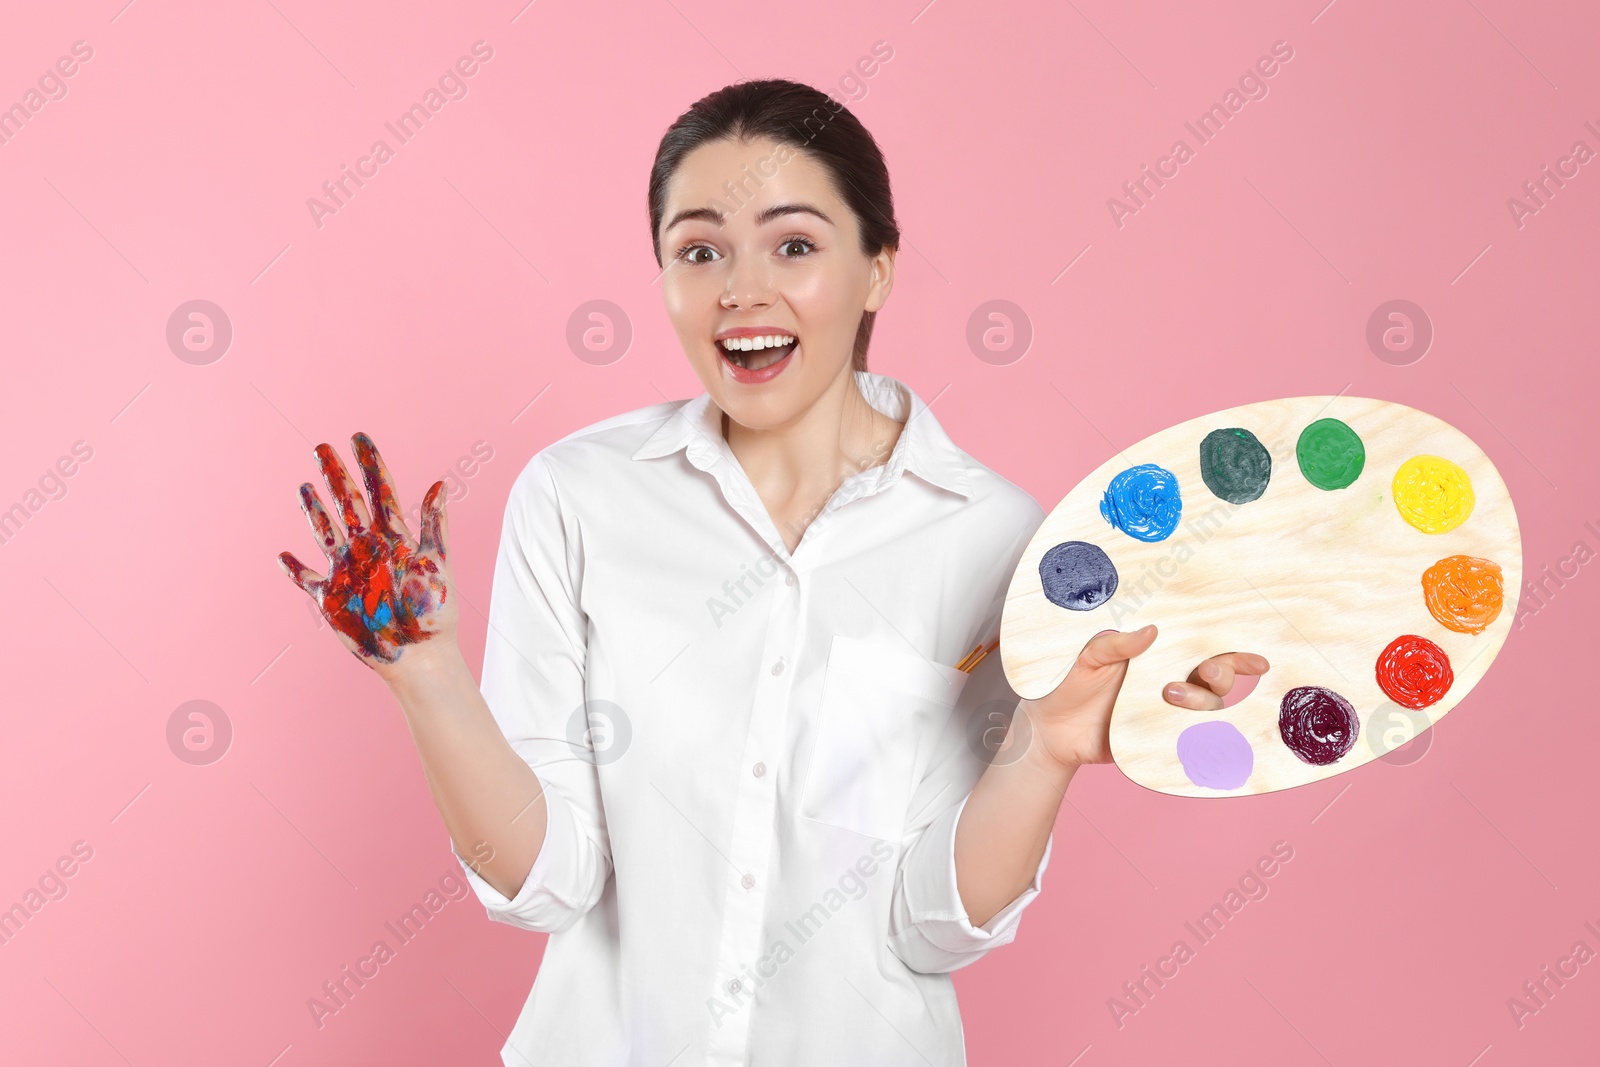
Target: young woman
x=722, y=751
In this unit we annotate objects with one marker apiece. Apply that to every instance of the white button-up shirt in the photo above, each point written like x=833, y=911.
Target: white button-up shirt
x=753, y=760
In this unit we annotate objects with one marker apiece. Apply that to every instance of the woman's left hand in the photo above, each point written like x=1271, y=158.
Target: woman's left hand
x=1072, y=723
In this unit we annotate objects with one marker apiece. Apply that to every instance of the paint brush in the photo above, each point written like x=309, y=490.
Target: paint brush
x=975, y=657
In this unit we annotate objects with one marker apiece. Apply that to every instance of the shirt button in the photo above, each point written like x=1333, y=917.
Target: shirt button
x=734, y=986
x=748, y=881
x=777, y=668
x=759, y=769
x=790, y=579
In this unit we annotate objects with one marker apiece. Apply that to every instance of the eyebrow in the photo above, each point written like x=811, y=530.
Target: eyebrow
x=715, y=217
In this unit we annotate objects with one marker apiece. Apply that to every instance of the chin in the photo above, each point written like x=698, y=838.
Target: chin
x=770, y=409
x=772, y=403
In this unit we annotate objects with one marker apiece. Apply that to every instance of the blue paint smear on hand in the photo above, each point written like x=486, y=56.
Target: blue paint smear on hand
x=1143, y=502
x=378, y=619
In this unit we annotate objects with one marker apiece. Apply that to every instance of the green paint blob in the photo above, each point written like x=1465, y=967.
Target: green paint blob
x=1331, y=454
x=1235, y=466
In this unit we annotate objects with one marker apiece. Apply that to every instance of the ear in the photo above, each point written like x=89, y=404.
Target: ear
x=882, y=266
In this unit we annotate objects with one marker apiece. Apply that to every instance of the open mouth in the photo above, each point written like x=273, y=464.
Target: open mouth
x=758, y=353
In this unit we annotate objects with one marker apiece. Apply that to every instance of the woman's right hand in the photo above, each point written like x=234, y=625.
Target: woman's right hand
x=385, y=590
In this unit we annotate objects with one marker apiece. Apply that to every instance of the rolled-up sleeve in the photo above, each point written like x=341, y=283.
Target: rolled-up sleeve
x=533, y=681
x=929, y=929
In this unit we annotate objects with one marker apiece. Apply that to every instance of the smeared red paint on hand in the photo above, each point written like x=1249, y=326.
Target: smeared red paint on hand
x=384, y=589
x=351, y=510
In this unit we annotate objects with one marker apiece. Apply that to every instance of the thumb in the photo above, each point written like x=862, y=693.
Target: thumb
x=1111, y=646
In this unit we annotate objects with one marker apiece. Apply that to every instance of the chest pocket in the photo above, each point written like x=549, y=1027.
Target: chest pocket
x=881, y=710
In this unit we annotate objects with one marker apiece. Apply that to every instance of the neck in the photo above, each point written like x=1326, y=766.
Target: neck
x=838, y=436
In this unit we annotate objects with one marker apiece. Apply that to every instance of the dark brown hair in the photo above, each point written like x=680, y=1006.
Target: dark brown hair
x=803, y=118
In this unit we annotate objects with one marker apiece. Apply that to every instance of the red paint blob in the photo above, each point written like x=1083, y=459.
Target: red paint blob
x=1414, y=672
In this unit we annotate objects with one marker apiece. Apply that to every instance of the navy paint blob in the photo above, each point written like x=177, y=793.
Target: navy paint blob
x=1143, y=502
x=1235, y=465
x=1077, y=576
x=1317, y=724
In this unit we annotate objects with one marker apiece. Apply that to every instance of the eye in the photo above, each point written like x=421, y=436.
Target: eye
x=691, y=254
x=802, y=243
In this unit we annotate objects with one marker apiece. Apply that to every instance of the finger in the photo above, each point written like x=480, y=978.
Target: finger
x=386, y=514
x=351, y=509
x=322, y=526
x=1193, y=697
x=1218, y=673
x=435, y=525
x=1110, y=646
x=1248, y=663
x=306, y=578
x=1215, y=674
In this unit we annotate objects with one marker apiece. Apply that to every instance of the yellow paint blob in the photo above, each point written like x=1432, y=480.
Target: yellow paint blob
x=1432, y=494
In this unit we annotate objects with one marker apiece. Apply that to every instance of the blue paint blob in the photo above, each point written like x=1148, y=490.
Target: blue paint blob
x=1215, y=755
x=1143, y=502
x=1077, y=576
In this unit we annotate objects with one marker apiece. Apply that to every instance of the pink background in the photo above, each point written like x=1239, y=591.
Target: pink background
x=433, y=307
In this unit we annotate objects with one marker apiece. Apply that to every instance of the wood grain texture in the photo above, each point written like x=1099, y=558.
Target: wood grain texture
x=1318, y=581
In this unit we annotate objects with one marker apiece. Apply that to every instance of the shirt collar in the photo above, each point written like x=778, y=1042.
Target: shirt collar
x=923, y=447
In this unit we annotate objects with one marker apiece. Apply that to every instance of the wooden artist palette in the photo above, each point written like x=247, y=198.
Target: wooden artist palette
x=1369, y=550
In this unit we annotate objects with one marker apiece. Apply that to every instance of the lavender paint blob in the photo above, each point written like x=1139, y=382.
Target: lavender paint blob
x=1077, y=576
x=1215, y=755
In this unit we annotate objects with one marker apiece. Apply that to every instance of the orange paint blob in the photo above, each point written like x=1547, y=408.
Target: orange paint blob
x=1464, y=593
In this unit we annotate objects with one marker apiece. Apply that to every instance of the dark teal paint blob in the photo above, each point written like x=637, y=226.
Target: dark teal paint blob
x=1143, y=502
x=1234, y=465
x=1077, y=576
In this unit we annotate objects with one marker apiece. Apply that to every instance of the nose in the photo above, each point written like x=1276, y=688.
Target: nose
x=749, y=286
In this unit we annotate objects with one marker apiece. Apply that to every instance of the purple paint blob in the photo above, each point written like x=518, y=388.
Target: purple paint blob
x=1317, y=724
x=1215, y=755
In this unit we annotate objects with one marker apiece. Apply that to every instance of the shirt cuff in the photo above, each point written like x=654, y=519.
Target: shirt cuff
x=934, y=902
x=560, y=842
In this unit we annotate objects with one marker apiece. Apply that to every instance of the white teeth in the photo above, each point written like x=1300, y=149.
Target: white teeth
x=750, y=344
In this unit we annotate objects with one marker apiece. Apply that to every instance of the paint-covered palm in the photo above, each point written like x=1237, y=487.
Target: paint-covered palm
x=385, y=590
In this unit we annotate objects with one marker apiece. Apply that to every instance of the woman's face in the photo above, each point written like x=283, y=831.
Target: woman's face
x=758, y=244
